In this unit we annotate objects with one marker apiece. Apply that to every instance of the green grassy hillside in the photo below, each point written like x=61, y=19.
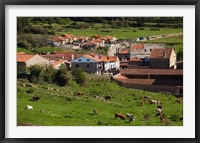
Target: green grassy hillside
x=59, y=106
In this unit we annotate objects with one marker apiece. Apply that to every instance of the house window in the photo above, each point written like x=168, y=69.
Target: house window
x=77, y=65
x=145, y=50
x=79, y=60
x=88, y=60
x=88, y=65
x=150, y=50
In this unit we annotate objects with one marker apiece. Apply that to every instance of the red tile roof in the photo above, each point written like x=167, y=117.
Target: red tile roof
x=151, y=72
x=53, y=56
x=161, y=53
x=112, y=58
x=24, y=57
x=126, y=51
x=135, y=59
x=60, y=55
x=95, y=36
x=81, y=37
x=68, y=36
x=57, y=62
x=137, y=47
x=160, y=82
x=20, y=53
x=57, y=39
x=92, y=58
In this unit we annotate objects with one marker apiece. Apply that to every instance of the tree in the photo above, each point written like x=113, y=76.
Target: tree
x=35, y=73
x=49, y=74
x=62, y=77
x=79, y=76
x=140, y=21
x=22, y=23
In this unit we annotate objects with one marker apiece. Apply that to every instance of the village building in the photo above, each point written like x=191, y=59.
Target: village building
x=135, y=61
x=56, y=41
x=57, y=64
x=109, y=39
x=143, y=51
x=88, y=64
x=155, y=80
x=123, y=55
x=111, y=63
x=67, y=56
x=163, y=59
x=69, y=38
x=27, y=60
x=91, y=45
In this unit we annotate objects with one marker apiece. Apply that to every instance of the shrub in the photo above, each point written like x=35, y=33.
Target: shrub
x=49, y=74
x=141, y=28
x=106, y=30
x=94, y=77
x=62, y=77
x=79, y=76
x=35, y=73
x=30, y=90
x=155, y=29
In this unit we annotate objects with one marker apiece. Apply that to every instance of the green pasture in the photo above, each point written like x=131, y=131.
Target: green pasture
x=59, y=106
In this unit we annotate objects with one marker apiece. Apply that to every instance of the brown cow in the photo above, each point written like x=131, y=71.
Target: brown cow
x=80, y=94
x=121, y=116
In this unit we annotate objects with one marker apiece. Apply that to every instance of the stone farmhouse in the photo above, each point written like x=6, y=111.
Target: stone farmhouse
x=155, y=80
x=88, y=64
x=163, y=59
x=27, y=60
x=123, y=55
x=98, y=64
x=143, y=51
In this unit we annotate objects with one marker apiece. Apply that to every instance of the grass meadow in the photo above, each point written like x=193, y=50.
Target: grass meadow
x=59, y=106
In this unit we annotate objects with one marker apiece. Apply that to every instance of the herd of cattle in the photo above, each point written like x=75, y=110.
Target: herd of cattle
x=131, y=118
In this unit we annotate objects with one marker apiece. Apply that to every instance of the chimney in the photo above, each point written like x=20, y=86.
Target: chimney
x=107, y=58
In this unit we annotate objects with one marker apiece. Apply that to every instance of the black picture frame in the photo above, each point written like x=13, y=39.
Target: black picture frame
x=3, y=4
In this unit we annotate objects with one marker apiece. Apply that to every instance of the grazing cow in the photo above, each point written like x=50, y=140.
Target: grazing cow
x=80, y=94
x=160, y=106
x=154, y=101
x=159, y=112
x=95, y=112
x=36, y=98
x=130, y=117
x=164, y=118
x=121, y=116
x=108, y=97
x=146, y=117
x=178, y=101
x=147, y=97
x=142, y=103
x=29, y=107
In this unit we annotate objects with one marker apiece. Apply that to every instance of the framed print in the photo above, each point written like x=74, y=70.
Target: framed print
x=103, y=71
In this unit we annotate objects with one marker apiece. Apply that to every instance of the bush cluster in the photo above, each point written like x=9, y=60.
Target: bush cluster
x=61, y=77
